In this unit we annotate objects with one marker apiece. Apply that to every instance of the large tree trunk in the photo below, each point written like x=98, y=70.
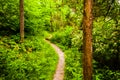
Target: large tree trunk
x=87, y=40
x=21, y=20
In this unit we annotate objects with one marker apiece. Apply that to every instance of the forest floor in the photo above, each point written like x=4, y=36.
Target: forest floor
x=59, y=74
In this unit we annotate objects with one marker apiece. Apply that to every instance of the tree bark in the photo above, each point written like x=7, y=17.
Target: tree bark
x=21, y=20
x=87, y=40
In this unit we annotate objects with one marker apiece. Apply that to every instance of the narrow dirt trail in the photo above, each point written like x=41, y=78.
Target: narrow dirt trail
x=59, y=74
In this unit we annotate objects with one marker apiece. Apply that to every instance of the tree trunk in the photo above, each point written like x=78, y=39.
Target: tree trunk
x=87, y=40
x=21, y=20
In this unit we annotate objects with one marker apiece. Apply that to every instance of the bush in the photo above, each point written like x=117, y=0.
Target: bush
x=31, y=60
x=63, y=37
x=106, y=73
x=106, y=44
x=73, y=69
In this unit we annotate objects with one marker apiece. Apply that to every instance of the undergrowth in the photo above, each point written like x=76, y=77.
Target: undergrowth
x=70, y=41
x=31, y=60
x=73, y=66
x=73, y=70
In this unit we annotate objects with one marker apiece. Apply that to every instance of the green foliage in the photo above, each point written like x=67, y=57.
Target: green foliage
x=106, y=8
x=9, y=16
x=68, y=40
x=32, y=60
x=37, y=16
x=58, y=17
x=106, y=48
x=66, y=13
x=63, y=37
x=106, y=43
x=73, y=69
x=77, y=38
x=105, y=74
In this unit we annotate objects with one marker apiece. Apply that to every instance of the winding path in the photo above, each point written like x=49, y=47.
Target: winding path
x=59, y=74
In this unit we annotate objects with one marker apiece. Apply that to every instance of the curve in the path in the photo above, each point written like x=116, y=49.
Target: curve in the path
x=59, y=74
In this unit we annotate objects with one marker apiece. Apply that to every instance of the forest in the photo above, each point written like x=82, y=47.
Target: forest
x=79, y=37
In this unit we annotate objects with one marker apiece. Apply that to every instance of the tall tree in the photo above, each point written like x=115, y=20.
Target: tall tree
x=21, y=20
x=87, y=40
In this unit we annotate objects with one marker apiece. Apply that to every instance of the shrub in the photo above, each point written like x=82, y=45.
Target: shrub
x=31, y=60
x=63, y=37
